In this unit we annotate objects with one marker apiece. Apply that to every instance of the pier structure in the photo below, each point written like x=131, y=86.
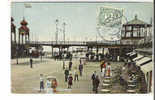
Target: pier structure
x=116, y=48
x=133, y=34
x=13, y=32
x=23, y=32
x=136, y=31
x=13, y=38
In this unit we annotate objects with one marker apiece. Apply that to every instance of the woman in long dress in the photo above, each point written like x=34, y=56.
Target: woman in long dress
x=103, y=69
x=48, y=87
x=103, y=72
x=109, y=70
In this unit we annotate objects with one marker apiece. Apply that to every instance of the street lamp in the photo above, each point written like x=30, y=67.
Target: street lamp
x=41, y=53
x=64, y=24
x=17, y=54
x=56, y=34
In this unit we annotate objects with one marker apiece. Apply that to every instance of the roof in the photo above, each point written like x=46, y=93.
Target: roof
x=145, y=50
x=138, y=57
x=131, y=53
x=142, y=61
x=23, y=22
x=136, y=21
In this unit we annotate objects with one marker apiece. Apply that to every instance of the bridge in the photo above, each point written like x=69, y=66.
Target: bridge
x=78, y=43
x=116, y=48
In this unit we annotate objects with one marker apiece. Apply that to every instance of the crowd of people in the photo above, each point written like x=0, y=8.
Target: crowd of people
x=105, y=69
x=76, y=72
x=73, y=73
x=105, y=72
x=51, y=84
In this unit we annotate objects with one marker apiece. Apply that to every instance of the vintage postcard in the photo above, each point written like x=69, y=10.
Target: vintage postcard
x=82, y=47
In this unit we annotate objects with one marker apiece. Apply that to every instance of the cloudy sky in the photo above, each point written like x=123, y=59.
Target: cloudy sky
x=81, y=18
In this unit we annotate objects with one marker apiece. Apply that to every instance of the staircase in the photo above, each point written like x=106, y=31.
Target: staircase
x=106, y=85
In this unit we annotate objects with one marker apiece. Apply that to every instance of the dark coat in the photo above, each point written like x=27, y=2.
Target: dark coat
x=66, y=72
x=93, y=77
x=70, y=64
x=70, y=79
x=80, y=67
x=96, y=82
x=31, y=61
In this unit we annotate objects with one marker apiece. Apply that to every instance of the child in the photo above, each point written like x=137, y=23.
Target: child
x=70, y=79
x=41, y=82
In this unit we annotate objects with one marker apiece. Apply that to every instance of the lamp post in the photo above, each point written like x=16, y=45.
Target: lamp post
x=64, y=24
x=56, y=33
x=31, y=61
x=41, y=53
x=17, y=54
x=96, y=38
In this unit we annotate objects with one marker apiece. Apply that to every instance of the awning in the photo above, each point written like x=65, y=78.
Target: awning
x=147, y=67
x=143, y=60
x=130, y=53
x=138, y=57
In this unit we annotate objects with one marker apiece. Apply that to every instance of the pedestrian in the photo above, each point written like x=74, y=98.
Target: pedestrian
x=108, y=70
x=101, y=65
x=66, y=74
x=31, y=62
x=118, y=58
x=96, y=84
x=41, y=82
x=103, y=69
x=80, y=69
x=89, y=57
x=70, y=79
x=93, y=78
x=70, y=64
x=76, y=75
x=54, y=84
x=48, y=86
x=99, y=57
x=63, y=65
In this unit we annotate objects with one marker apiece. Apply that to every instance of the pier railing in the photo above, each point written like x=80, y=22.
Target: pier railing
x=72, y=43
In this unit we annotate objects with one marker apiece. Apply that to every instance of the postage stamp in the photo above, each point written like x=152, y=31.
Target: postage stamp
x=110, y=22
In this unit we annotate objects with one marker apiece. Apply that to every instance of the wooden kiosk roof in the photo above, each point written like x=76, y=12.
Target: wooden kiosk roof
x=137, y=22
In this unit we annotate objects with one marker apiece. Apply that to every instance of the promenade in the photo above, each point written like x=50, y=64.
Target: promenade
x=26, y=80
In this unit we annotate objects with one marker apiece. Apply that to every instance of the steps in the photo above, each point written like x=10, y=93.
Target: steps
x=131, y=87
x=106, y=85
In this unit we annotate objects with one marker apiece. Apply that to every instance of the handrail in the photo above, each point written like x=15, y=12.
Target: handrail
x=75, y=43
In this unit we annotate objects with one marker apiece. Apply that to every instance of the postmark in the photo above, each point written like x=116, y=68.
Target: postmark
x=109, y=23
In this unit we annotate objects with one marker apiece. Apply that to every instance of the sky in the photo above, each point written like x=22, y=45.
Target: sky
x=80, y=18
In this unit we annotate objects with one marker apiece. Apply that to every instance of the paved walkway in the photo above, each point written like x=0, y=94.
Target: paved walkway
x=26, y=80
